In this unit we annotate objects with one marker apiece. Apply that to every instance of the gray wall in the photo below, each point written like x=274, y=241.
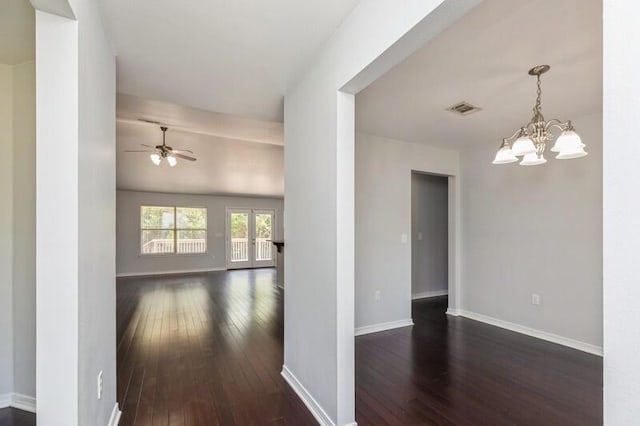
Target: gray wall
x=536, y=230
x=429, y=236
x=6, y=235
x=24, y=230
x=17, y=236
x=129, y=260
x=383, y=215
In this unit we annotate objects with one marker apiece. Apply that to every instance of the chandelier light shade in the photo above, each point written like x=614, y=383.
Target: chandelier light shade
x=505, y=154
x=533, y=159
x=530, y=141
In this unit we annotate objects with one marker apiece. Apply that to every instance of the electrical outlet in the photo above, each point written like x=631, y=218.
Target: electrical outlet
x=535, y=299
x=419, y=236
x=403, y=238
x=378, y=296
x=100, y=385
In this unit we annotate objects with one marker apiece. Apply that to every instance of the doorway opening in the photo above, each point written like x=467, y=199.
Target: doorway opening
x=430, y=240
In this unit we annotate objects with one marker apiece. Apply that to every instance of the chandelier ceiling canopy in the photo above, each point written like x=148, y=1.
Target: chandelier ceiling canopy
x=530, y=141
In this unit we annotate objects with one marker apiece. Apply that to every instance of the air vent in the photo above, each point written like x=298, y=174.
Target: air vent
x=463, y=108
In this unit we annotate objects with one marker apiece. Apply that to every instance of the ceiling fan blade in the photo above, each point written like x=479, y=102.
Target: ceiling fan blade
x=137, y=150
x=181, y=151
x=184, y=157
x=148, y=146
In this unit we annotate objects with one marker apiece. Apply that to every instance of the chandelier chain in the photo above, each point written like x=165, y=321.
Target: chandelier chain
x=538, y=106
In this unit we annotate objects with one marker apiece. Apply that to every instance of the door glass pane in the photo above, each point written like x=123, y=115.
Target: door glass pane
x=239, y=237
x=156, y=241
x=263, y=227
x=192, y=241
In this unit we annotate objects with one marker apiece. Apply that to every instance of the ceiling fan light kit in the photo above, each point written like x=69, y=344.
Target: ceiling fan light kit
x=159, y=153
x=530, y=141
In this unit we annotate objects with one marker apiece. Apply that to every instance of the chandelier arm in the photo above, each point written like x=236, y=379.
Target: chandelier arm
x=560, y=125
x=515, y=135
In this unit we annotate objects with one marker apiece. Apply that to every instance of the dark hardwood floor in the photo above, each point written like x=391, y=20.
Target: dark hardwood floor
x=203, y=349
x=455, y=371
x=15, y=417
x=206, y=349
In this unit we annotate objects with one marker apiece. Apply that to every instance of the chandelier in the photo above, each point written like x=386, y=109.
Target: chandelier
x=530, y=141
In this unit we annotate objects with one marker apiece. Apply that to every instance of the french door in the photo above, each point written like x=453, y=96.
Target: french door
x=249, y=236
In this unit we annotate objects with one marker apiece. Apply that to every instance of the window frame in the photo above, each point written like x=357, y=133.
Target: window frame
x=175, y=230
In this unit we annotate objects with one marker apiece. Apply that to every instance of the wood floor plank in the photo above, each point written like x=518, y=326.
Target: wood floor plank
x=207, y=349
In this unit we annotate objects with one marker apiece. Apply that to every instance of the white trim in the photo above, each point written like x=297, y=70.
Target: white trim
x=539, y=334
x=114, y=419
x=321, y=416
x=5, y=400
x=23, y=402
x=19, y=401
x=428, y=294
x=453, y=312
x=384, y=326
x=147, y=274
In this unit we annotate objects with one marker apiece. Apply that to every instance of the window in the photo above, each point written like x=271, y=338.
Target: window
x=181, y=230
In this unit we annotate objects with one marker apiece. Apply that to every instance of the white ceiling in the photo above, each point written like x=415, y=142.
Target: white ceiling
x=483, y=59
x=193, y=120
x=223, y=166
x=17, y=32
x=235, y=57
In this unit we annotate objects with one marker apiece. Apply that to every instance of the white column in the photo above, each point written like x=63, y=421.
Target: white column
x=621, y=215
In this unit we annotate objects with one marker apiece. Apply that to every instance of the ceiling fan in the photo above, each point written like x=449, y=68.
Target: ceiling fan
x=162, y=152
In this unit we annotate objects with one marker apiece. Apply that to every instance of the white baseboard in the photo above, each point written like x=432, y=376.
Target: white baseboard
x=23, y=402
x=5, y=400
x=550, y=337
x=453, y=312
x=149, y=274
x=427, y=294
x=321, y=416
x=115, y=416
x=375, y=328
x=19, y=401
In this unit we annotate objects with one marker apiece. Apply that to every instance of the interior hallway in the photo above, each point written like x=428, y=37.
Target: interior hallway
x=206, y=349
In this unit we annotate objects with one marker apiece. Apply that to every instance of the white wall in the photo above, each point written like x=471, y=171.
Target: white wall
x=96, y=216
x=621, y=213
x=57, y=203
x=430, y=236
x=24, y=230
x=129, y=260
x=536, y=230
x=383, y=215
x=75, y=217
x=319, y=192
x=6, y=234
